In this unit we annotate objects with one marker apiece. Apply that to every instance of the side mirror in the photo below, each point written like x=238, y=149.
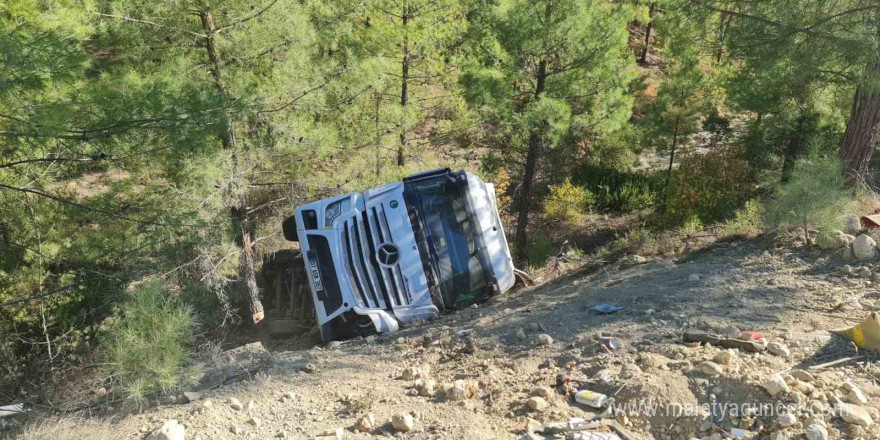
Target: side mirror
x=289, y=228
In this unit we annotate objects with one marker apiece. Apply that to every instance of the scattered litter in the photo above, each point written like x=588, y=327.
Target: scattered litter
x=739, y=433
x=593, y=435
x=591, y=398
x=707, y=338
x=605, y=309
x=865, y=335
x=11, y=410
x=750, y=335
x=609, y=343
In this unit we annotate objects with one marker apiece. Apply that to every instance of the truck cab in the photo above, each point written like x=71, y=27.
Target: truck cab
x=401, y=252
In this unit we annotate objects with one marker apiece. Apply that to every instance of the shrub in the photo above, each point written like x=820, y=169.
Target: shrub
x=815, y=195
x=709, y=186
x=638, y=241
x=619, y=191
x=568, y=203
x=540, y=250
x=747, y=222
x=146, y=348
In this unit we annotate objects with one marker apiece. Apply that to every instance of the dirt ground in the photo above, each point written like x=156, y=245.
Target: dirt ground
x=487, y=361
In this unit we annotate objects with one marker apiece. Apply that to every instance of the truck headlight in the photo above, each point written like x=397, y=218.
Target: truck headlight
x=333, y=210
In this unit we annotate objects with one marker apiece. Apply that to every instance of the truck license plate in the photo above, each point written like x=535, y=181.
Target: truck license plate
x=316, y=273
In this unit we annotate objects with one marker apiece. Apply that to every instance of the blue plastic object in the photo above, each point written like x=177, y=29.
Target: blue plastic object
x=605, y=309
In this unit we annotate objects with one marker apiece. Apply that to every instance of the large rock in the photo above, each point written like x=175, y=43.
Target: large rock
x=854, y=414
x=864, y=248
x=852, y=225
x=170, y=430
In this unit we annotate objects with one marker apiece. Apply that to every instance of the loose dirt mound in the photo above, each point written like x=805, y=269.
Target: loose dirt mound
x=491, y=372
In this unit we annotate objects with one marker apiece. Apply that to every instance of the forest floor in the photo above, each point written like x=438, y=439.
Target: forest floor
x=488, y=361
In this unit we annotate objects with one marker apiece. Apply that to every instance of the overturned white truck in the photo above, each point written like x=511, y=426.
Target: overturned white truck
x=401, y=252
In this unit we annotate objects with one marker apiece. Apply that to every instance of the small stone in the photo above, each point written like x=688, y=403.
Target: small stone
x=537, y=403
x=817, y=432
x=235, y=404
x=410, y=373
x=775, y=384
x=308, y=368
x=786, y=420
x=426, y=387
x=854, y=414
x=403, y=422
x=802, y=375
x=710, y=368
x=694, y=277
x=208, y=403
x=543, y=392
x=192, y=396
x=857, y=396
x=543, y=339
x=170, y=430
x=779, y=349
x=255, y=421
x=251, y=405
x=235, y=429
x=846, y=269
x=366, y=423
x=723, y=357
x=335, y=434
x=333, y=345
x=521, y=335
x=780, y=435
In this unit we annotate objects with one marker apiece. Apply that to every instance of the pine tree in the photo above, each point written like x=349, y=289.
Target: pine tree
x=546, y=68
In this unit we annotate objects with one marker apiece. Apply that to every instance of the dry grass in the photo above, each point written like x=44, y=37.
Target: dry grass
x=70, y=428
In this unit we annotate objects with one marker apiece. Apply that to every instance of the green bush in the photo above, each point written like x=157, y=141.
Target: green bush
x=815, y=195
x=568, y=203
x=640, y=241
x=540, y=250
x=147, y=347
x=747, y=222
x=619, y=191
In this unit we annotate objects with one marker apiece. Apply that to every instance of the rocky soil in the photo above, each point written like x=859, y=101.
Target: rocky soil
x=509, y=368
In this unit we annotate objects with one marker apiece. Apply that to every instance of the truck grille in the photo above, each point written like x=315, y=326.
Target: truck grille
x=376, y=287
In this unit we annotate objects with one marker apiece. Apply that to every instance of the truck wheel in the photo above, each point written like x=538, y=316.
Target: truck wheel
x=289, y=228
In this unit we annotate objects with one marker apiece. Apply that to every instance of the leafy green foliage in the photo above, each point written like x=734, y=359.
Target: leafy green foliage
x=620, y=191
x=747, y=222
x=147, y=348
x=815, y=196
x=568, y=203
x=708, y=186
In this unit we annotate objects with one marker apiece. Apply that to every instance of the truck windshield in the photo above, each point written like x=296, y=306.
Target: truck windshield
x=450, y=234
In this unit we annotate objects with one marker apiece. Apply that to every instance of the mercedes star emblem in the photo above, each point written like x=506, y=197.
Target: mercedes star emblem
x=388, y=254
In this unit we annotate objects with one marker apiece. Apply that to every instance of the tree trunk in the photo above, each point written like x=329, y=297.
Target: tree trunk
x=238, y=213
x=535, y=139
x=249, y=267
x=671, y=157
x=643, y=58
x=794, y=150
x=861, y=131
x=404, y=94
x=723, y=26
